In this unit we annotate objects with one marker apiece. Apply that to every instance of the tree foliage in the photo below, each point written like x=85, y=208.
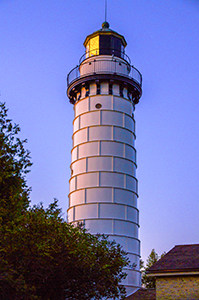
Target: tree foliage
x=41, y=255
x=149, y=282
x=14, y=165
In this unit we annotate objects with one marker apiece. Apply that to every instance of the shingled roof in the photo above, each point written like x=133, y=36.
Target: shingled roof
x=143, y=294
x=182, y=258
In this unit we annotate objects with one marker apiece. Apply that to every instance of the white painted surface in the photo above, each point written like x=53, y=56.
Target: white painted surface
x=104, y=64
x=103, y=185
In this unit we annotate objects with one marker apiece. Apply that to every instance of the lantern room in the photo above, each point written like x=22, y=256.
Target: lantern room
x=105, y=42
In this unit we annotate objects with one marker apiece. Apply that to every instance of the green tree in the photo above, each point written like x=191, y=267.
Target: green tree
x=14, y=165
x=46, y=258
x=41, y=255
x=149, y=282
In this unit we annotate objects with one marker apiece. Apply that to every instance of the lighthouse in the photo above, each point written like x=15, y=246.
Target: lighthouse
x=104, y=89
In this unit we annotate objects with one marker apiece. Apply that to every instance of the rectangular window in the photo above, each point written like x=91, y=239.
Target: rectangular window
x=105, y=44
x=110, y=89
x=94, y=46
x=98, y=89
x=121, y=91
x=116, y=45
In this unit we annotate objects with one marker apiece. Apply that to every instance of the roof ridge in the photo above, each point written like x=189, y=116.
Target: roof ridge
x=186, y=245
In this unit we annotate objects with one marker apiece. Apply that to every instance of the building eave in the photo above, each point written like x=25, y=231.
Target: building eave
x=176, y=273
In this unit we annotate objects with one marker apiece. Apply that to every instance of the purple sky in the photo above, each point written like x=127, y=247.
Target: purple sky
x=41, y=41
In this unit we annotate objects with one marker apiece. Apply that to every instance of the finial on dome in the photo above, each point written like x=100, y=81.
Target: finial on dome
x=105, y=25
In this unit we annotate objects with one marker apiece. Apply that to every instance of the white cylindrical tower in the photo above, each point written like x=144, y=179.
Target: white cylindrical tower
x=104, y=89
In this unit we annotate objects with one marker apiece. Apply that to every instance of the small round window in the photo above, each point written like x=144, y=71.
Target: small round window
x=98, y=105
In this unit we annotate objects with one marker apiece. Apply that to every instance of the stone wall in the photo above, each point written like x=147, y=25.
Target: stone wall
x=177, y=287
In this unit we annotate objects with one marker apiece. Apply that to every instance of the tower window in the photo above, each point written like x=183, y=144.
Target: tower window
x=98, y=89
x=121, y=91
x=87, y=91
x=110, y=89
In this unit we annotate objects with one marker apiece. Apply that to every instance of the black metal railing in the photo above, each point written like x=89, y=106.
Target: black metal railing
x=105, y=51
x=96, y=66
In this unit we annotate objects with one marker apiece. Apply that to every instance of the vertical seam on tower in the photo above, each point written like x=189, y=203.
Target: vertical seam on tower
x=124, y=150
x=100, y=117
x=85, y=196
x=125, y=181
x=86, y=164
x=98, y=210
x=78, y=152
x=113, y=195
x=124, y=123
x=75, y=182
x=112, y=102
x=87, y=134
x=89, y=103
